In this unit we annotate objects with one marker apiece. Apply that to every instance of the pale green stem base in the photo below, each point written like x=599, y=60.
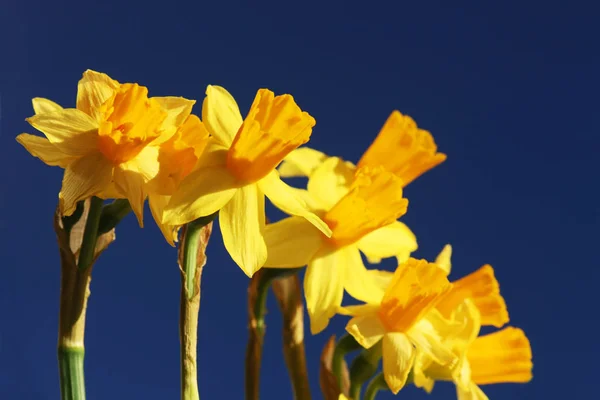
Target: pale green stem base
x=72, y=382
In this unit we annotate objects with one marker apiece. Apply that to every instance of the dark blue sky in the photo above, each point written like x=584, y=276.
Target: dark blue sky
x=509, y=91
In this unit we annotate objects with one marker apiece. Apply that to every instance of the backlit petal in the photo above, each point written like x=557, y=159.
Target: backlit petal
x=357, y=282
x=358, y=310
x=221, y=115
x=301, y=162
x=201, y=193
x=291, y=242
x=42, y=106
x=41, y=148
x=70, y=130
x=330, y=181
x=178, y=109
x=157, y=205
x=323, y=288
x=474, y=393
x=444, y=259
x=398, y=358
x=367, y=330
x=242, y=222
x=427, y=339
x=393, y=240
x=288, y=200
x=84, y=178
x=93, y=90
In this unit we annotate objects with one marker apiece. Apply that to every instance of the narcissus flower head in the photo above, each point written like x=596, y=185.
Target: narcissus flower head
x=400, y=147
x=108, y=145
x=238, y=171
x=396, y=314
x=361, y=209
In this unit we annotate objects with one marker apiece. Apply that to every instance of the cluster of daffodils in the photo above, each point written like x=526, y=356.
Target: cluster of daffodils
x=119, y=143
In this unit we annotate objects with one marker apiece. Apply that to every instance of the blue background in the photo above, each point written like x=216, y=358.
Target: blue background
x=509, y=91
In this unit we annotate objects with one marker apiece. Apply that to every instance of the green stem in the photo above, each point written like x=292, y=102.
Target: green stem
x=194, y=242
x=364, y=367
x=112, y=214
x=378, y=383
x=344, y=346
x=257, y=301
x=72, y=380
x=90, y=234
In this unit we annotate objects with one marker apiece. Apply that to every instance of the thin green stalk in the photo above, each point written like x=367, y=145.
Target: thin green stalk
x=112, y=214
x=192, y=259
x=257, y=301
x=377, y=384
x=344, y=346
x=364, y=367
x=72, y=381
x=90, y=234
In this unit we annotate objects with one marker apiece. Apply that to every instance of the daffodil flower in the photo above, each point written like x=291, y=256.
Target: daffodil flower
x=362, y=216
x=401, y=147
x=500, y=357
x=108, y=145
x=396, y=315
x=177, y=157
x=237, y=171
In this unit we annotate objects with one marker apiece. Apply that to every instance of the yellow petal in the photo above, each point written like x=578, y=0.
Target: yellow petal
x=323, y=288
x=483, y=289
x=157, y=206
x=93, y=90
x=502, y=356
x=202, y=192
x=367, y=330
x=221, y=115
x=393, y=240
x=42, y=106
x=291, y=242
x=178, y=109
x=414, y=290
x=288, y=200
x=358, y=310
x=474, y=392
x=403, y=149
x=373, y=201
x=242, y=222
x=301, y=162
x=426, y=338
x=398, y=358
x=381, y=278
x=330, y=181
x=443, y=260
x=357, y=282
x=84, y=178
x=70, y=130
x=44, y=150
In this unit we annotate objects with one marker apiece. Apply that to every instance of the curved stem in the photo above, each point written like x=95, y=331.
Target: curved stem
x=378, y=383
x=344, y=346
x=90, y=234
x=112, y=214
x=363, y=367
x=192, y=259
x=257, y=302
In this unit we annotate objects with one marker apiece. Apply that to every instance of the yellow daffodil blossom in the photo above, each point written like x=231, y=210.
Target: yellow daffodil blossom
x=237, y=171
x=480, y=286
x=108, y=145
x=177, y=157
x=500, y=357
x=401, y=147
x=396, y=315
x=362, y=216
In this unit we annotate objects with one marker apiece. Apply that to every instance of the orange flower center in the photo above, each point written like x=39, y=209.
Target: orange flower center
x=273, y=128
x=374, y=200
x=130, y=121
